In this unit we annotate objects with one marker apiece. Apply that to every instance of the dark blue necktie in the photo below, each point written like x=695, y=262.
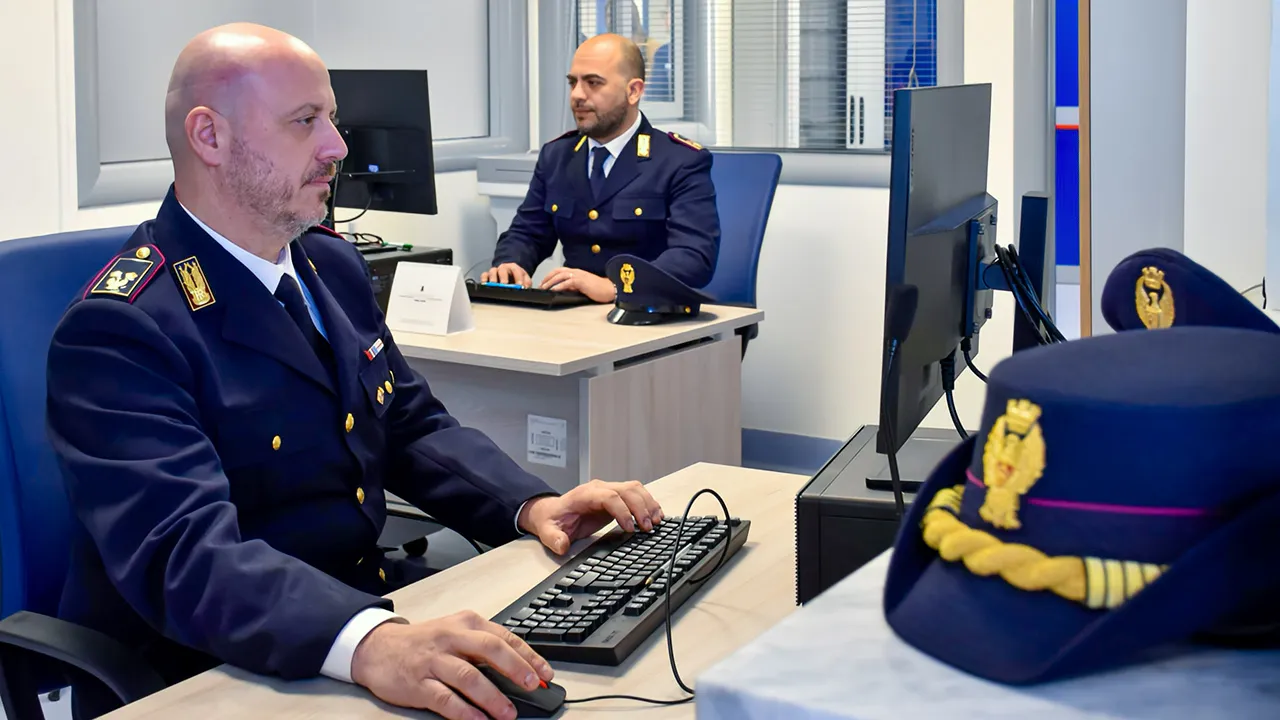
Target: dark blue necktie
x=290, y=295
x=598, y=156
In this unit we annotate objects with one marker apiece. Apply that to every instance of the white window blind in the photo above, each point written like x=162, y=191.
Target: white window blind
x=813, y=75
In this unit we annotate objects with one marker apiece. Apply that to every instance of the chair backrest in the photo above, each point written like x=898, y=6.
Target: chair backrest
x=745, y=184
x=39, y=277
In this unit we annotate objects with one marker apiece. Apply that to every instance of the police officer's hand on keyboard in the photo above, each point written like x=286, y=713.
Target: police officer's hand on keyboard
x=593, y=286
x=507, y=273
x=558, y=521
x=428, y=665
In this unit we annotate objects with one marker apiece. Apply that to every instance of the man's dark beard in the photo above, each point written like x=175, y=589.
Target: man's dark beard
x=608, y=125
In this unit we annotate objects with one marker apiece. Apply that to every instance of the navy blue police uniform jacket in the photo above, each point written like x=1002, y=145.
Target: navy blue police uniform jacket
x=658, y=203
x=229, y=490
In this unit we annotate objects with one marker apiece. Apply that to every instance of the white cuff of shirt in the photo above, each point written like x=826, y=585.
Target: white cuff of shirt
x=337, y=664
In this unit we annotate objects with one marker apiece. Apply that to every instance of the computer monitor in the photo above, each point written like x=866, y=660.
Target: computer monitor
x=938, y=189
x=385, y=118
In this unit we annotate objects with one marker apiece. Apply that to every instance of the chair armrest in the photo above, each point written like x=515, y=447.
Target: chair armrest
x=31, y=640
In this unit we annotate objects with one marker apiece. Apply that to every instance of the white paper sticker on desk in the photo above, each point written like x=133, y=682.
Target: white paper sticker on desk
x=548, y=441
x=429, y=298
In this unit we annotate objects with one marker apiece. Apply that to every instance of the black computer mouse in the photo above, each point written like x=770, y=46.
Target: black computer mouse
x=537, y=703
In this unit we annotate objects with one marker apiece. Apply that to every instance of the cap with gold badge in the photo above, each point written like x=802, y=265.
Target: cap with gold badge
x=648, y=295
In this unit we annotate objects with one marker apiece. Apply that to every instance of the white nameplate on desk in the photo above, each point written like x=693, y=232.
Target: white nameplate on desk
x=429, y=298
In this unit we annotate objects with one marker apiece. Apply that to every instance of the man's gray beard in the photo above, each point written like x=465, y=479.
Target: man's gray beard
x=253, y=187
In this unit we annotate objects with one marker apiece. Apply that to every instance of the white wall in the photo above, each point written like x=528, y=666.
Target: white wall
x=1228, y=60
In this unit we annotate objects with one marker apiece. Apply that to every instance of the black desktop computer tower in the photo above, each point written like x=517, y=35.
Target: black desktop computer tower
x=841, y=522
x=383, y=259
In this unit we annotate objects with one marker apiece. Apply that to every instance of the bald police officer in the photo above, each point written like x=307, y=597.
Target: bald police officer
x=614, y=185
x=230, y=410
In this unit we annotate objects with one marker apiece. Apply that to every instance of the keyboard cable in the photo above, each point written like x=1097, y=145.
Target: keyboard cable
x=671, y=563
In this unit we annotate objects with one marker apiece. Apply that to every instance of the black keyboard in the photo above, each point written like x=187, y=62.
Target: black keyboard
x=599, y=606
x=505, y=293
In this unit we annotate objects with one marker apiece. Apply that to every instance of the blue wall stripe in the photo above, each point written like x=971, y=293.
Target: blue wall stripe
x=1066, y=193
x=784, y=452
x=1067, y=53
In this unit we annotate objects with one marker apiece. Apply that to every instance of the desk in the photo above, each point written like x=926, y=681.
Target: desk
x=635, y=403
x=838, y=659
x=754, y=591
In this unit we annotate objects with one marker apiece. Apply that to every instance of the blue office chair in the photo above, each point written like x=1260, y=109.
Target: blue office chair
x=39, y=652
x=745, y=184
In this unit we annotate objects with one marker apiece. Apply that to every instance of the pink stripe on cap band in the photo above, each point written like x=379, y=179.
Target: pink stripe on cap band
x=1101, y=507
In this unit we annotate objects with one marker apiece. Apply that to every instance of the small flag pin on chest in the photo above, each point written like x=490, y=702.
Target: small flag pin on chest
x=374, y=349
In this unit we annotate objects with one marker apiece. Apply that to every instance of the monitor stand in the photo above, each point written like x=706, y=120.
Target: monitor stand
x=920, y=454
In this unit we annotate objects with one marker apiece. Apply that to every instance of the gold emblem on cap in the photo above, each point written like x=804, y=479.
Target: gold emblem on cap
x=628, y=276
x=642, y=145
x=194, y=284
x=1012, y=461
x=275, y=443
x=351, y=422
x=1154, y=299
x=593, y=214
x=142, y=253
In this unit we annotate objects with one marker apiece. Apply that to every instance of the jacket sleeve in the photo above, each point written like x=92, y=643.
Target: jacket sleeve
x=145, y=481
x=693, y=224
x=532, y=235
x=455, y=473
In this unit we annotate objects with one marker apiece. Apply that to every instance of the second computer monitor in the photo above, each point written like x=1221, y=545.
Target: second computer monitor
x=385, y=118
x=938, y=185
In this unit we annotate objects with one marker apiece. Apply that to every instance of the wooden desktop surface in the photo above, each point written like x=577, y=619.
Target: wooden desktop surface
x=563, y=341
x=753, y=592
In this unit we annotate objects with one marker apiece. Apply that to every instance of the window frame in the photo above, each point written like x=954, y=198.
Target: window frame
x=557, y=30
x=99, y=184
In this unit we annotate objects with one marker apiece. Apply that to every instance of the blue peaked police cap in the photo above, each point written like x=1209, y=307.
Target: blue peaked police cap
x=648, y=295
x=1123, y=495
x=1161, y=288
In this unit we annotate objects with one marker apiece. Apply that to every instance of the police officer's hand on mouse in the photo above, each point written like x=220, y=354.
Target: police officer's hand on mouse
x=432, y=664
x=569, y=279
x=510, y=273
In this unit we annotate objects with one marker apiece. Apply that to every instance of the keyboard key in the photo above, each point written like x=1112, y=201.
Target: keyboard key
x=576, y=635
x=633, y=609
x=562, y=601
x=538, y=604
x=530, y=623
x=521, y=632
x=564, y=583
x=585, y=582
x=524, y=613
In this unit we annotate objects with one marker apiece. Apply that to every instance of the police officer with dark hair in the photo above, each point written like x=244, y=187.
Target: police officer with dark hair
x=613, y=185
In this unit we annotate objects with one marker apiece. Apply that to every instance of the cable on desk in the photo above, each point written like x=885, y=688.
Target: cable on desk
x=359, y=215
x=671, y=566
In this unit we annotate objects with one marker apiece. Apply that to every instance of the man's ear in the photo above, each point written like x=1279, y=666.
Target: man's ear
x=635, y=90
x=208, y=134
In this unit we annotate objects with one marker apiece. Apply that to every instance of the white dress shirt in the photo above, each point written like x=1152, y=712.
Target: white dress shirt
x=337, y=664
x=615, y=146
